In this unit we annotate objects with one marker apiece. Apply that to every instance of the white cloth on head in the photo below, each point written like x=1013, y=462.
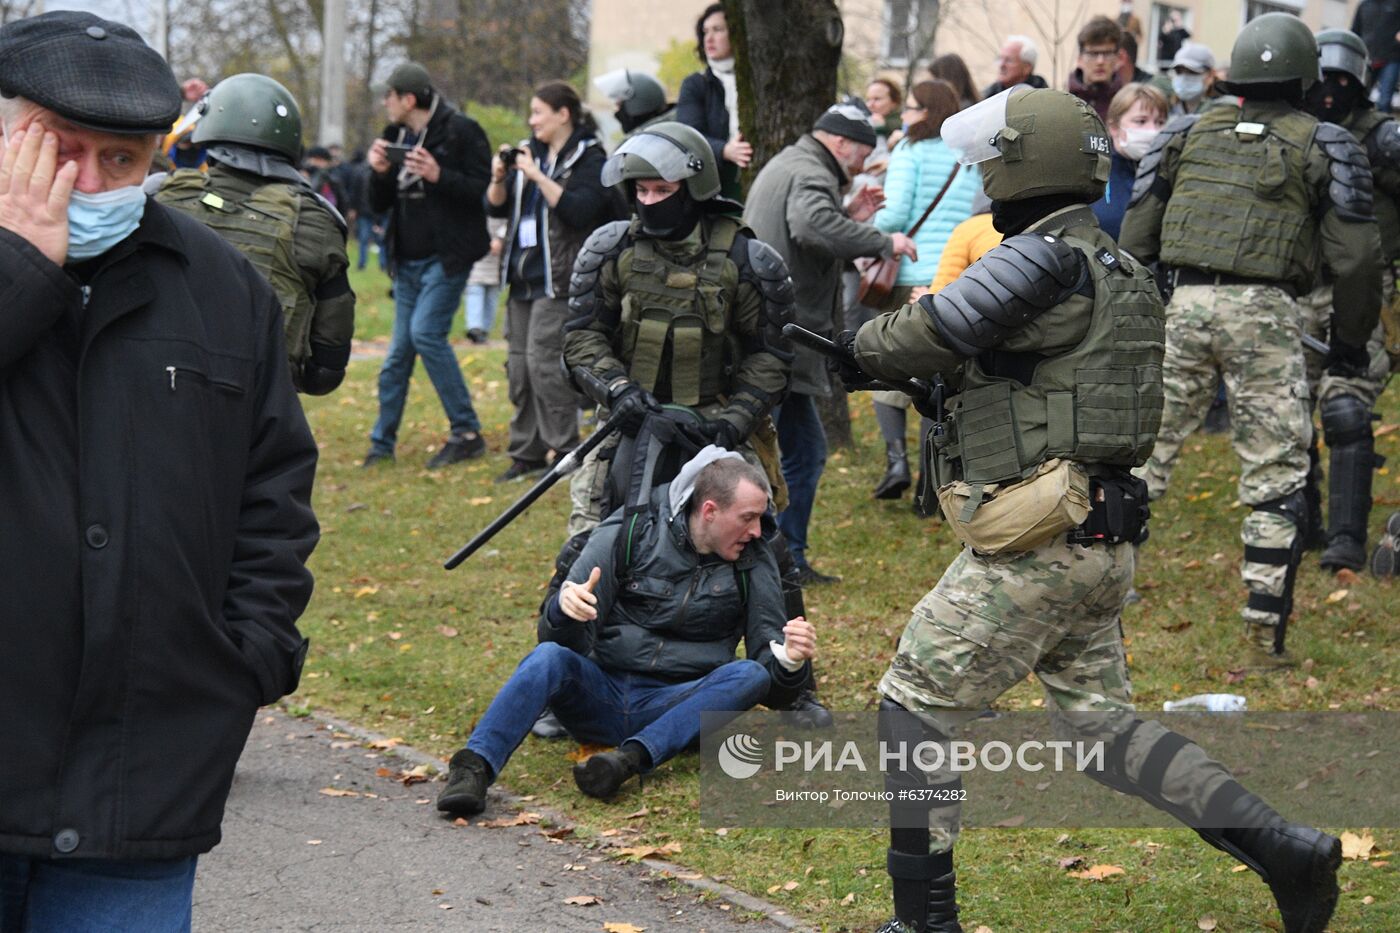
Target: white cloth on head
x=684, y=483
x=724, y=70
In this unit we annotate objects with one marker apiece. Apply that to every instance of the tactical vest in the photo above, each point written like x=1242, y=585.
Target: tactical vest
x=1240, y=203
x=676, y=317
x=1362, y=124
x=262, y=228
x=1098, y=403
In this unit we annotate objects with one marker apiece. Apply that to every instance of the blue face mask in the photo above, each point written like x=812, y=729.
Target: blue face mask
x=97, y=222
x=1189, y=87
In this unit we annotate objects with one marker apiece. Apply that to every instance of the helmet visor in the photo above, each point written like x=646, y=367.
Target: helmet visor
x=665, y=159
x=615, y=85
x=1334, y=56
x=971, y=133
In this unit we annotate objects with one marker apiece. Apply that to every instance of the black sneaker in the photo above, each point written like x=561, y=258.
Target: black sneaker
x=519, y=469
x=808, y=576
x=809, y=713
x=477, y=335
x=376, y=457
x=458, y=447
x=468, y=776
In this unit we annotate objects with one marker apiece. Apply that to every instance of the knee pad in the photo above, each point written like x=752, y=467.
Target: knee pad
x=1346, y=419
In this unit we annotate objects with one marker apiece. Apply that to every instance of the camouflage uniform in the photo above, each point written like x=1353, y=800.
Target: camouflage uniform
x=1231, y=199
x=1052, y=344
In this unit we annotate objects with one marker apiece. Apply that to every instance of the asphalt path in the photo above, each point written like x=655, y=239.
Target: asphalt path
x=321, y=835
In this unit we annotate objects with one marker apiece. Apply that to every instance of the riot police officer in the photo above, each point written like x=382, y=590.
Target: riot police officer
x=1348, y=395
x=682, y=305
x=640, y=98
x=1052, y=343
x=255, y=198
x=1240, y=201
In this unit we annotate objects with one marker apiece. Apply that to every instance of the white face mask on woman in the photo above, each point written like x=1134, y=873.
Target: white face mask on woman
x=1136, y=141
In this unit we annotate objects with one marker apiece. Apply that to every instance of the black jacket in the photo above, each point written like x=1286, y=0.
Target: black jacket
x=154, y=528
x=454, y=200
x=584, y=206
x=701, y=105
x=1376, y=22
x=996, y=87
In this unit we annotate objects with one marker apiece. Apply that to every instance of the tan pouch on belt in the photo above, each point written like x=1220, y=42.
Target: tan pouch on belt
x=998, y=518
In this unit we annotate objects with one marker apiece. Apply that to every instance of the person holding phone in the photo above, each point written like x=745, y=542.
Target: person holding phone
x=429, y=170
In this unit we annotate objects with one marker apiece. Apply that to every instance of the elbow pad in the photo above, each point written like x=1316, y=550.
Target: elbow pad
x=1011, y=285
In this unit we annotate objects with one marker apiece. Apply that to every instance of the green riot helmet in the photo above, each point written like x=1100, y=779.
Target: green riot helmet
x=1273, y=49
x=637, y=95
x=1342, y=50
x=253, y=110
x=669, y=151
x=1032, y=142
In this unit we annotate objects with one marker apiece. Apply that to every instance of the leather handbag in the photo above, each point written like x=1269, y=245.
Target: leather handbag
x=877, y=273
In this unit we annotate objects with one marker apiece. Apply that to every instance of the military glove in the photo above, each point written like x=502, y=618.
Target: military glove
x=844, y=364
x=723, y=433
x=1347, y=362
x=631, y=404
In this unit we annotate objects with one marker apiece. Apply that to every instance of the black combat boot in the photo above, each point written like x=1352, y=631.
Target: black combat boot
x=468, y=776
x=1351, y=445
x=808, y=712
x=896, y=478
x=1298, y=863
x=935, y=912
x=603, y=774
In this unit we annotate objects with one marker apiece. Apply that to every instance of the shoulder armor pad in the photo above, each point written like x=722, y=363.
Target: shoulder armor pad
x=768, y=269
x=602, y=246
x=1147, y=168
x=1350, y=188
x=1011, y=285
x=1383, y=145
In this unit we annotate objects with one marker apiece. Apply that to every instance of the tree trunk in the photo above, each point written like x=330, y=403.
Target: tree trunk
x=782, y=91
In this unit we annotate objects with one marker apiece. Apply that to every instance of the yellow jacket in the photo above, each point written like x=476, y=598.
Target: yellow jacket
x=966, y=244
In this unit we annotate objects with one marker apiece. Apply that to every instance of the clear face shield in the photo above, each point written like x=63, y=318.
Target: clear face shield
x=650, y=156
x=615, y=85
x=972, y=133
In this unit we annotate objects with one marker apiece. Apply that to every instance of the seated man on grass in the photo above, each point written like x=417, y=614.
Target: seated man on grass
x=641, y=638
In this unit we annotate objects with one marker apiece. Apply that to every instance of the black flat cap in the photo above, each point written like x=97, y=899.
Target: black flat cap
x=93, y=72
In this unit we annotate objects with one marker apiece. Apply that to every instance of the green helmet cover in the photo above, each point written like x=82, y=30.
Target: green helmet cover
x=1052, y=143
x=253, y=110
x=1343, y=50
x=670, y=151
x=1271, y=49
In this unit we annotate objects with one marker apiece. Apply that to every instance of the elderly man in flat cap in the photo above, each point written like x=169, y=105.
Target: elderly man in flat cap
x=156, y=473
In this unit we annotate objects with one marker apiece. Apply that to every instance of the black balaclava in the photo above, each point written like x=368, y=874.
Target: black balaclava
x=1344, y=99
x=670, y=219
x=1013, y=217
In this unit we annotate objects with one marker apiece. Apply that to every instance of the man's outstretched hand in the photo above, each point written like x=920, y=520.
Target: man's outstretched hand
x=800, y=639
x=577, y=599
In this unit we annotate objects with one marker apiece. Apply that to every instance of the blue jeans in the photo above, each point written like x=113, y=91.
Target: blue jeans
x=1386, y=80
x=38, y=895
x=425, y=302
x=365, y=236
x=481, y=307
x=610, y=707
x=802, y=441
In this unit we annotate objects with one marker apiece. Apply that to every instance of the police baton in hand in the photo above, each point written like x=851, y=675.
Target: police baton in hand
x=927, y=398
x=562, y=468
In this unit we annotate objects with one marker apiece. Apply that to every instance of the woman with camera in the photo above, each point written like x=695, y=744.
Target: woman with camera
x=551, y=191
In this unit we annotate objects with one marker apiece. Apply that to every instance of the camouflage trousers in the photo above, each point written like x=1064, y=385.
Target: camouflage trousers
x=1251, y=335
x=1052, y=611
x=1317, y=317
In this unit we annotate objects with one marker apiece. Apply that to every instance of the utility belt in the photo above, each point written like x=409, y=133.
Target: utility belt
x=1186, y=275
x=1118, y=511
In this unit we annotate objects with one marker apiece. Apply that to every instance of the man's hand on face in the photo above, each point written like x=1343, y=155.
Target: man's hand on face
x=378, y=161
x=34, y=192
x=577, y=599
x=421, y=163
x=800, y=639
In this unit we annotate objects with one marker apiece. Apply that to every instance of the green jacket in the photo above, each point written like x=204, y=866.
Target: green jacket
x=1310, y=229
x=1366, y=126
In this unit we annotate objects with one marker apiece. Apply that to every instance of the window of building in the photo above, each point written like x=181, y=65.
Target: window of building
x=1253, y=8
x=1171, y=25
x=907, y=27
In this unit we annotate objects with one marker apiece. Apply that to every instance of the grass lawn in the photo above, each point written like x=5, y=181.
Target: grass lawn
x=402, y=647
